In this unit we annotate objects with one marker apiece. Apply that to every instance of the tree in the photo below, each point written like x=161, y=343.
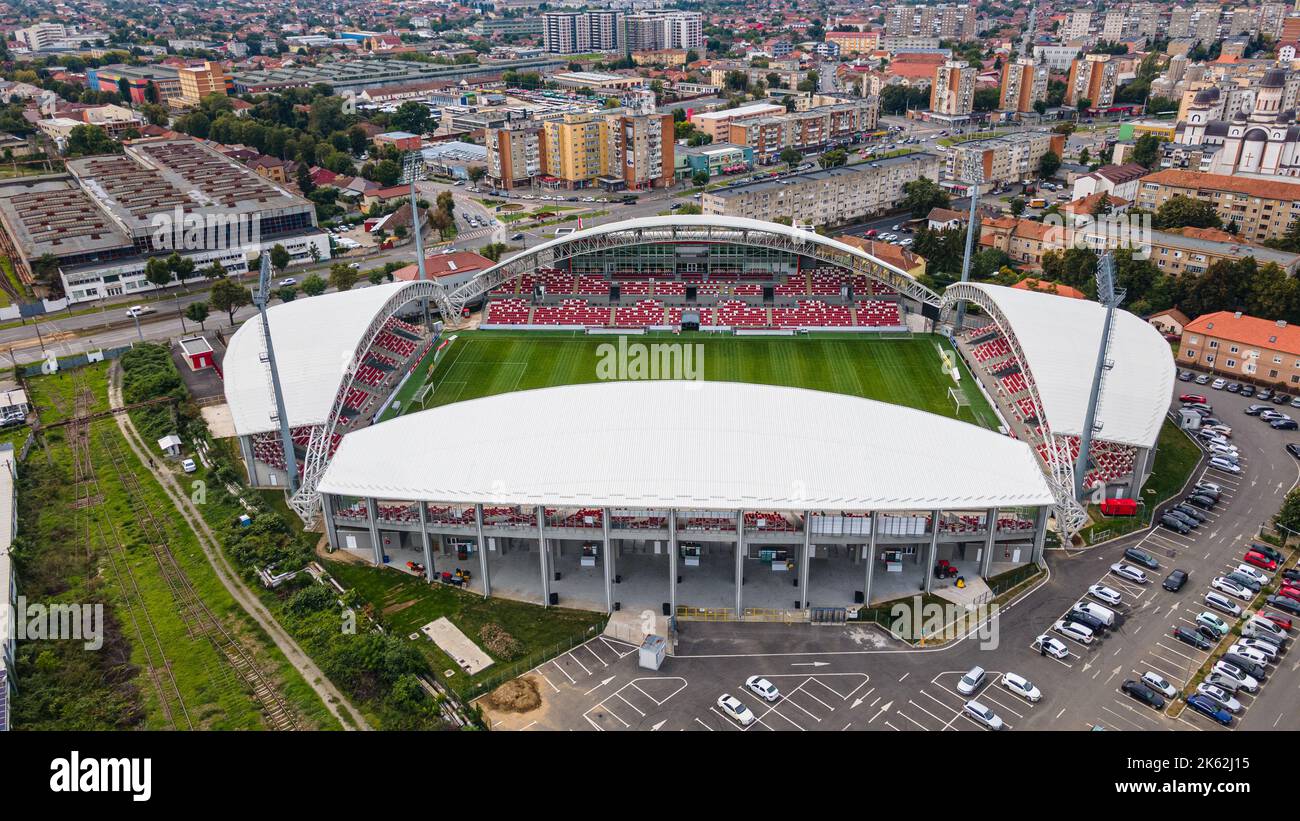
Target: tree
x=305, y=184
x=342, y=277
x=1289, y=515
x=1184, y=212
x=791, y=156
x=922, y=196
x=1017, y=206
x=158, y=272
x=477, y=173
x=1048, y=164
x=86, y=140
x=214, y=271
x=286, y=293
x=493, y=250
x=314, y=285
x=1146, y=151
x=1040, y=107
x=197, y=312
x=986, y=99
x=833, y=158
x=280, y=257
x=700, y=179
x=1083, y=156
x=229, y=296
x=410, y=116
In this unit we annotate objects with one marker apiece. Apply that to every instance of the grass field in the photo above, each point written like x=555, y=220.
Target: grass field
x=903, y=371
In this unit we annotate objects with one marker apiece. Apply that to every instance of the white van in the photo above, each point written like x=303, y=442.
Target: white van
x=1257, y=627
x=1102, y=614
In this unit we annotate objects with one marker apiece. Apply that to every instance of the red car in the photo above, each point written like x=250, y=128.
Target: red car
x=1280, y=621
x=1193, y=397
x=1260, y=560
x=1288, y=590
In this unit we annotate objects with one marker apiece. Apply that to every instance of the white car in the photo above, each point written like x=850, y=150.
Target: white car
x=1251, y=653
x=1225, y=465
x=1222, y=430
x=1129, y=572
x=1213, y=622
x=1102, y=593
x=354, y=265
x=288, y=281
x=763, y=688
x=139, y=310
x=1021, y=686
x=1074, y=630
x=1268, y=648
x=1232, y=671
x=983, y=715
x=1156, y=682
x=1054, y=647
x=1252, y=572
x=1219, y=384
x=1231, y=588
x=733, y=709
x=1221, y=696
x=188, y=466
x=972, y=681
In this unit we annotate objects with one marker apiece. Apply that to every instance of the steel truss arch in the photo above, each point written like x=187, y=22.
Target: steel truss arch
x=1070, y=514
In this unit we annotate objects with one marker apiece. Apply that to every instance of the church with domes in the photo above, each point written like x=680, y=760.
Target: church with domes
x=1264, y=143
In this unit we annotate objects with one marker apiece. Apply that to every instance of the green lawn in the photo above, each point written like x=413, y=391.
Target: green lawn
x=406, y=603
x=901, y=371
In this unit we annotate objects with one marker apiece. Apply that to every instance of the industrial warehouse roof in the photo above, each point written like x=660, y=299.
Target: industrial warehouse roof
x=315, y=339
x=1060, y=338
x=656, y=444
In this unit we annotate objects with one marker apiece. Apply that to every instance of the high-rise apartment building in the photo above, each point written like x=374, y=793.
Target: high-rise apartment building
x=576, y=32
x=514, y=155
x=1092, y=78
x=953, y=90
x=198, y=82
x=1024, y=83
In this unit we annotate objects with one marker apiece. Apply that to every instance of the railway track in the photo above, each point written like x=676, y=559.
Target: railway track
x=199, y=620
x=98, y=528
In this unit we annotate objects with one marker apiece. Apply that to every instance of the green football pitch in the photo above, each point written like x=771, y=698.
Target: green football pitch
x=901, y=370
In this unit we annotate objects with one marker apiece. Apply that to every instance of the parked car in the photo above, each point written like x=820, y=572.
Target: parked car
x=1188, y=510
x=1129, y=572
x=971, y=682
x=1247, y=665
x=1074, y=630
x=1210, y=708
x=735, y=710
x=1260, y=560
x=1283, y=424
x=1242, y=580
x=1202, y=380
x=1213, y=622
x=1244, y=681
x=288, y=282
x=1219, y=384
x=762, y=688
x=1284, y=603
x=1270, y=650
x=1186, y=376
x=1247, y=391
x=1158, y=683
x=1221, y=602
x=1175, y=524
x=1180, y=516
x=1195, y=639
x=1259, y=576
x=1021, y=686
x=1256, y=410
x=137, y=311
x=1175, y=580
x=983, y=715
x=1143, y=693
x=1233, y=387
x=1142, y=557
x=1268, y=550
x=1225, y=465
x=1220, y=696
x=1256, y=655
x=1102, y=593
x=1231, y=588
x=1195, y=398
x=1051, y=646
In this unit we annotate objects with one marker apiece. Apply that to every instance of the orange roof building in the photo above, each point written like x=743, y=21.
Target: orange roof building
x=1048, y=287
x=1250, y=347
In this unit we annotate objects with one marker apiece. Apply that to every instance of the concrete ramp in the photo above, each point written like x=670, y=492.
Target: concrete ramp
x=632, y=626
x=975, y=592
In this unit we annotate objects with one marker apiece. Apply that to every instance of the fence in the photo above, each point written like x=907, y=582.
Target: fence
x=75, y=361
x=518, y=668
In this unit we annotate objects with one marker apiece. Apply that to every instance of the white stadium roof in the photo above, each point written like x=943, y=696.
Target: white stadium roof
x=659, y=444
x=315, y=339
x=1060, y=338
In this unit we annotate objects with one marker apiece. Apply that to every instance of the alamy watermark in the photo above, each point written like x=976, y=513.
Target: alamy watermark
x=23, y=621
x=210, y=230
x=931, y=621
x=683, y=361
x=1099, y=232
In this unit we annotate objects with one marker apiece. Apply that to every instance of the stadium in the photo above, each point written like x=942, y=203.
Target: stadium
x=813, y=432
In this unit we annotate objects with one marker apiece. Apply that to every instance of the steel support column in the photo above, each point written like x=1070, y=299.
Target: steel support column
x=1040, y=535
x=541, y=552
x=424, y=542
x=986, y=560
x=331, y=529
x=482, y=551
x=932, y=555
x=606, y=561
x=740, y=560
x=373, y=514
x=806, y=562
x=672, y=561
x=871, y=562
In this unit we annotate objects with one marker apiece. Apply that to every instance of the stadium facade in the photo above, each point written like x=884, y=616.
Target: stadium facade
x=631, y=493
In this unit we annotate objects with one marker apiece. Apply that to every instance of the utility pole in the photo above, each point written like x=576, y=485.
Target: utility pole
x=1110, y=298
x=412, y=162
x=973, y=188
x=260, y=299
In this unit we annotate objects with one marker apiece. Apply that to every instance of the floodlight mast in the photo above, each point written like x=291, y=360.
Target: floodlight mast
x=286, y=438
x=411, y=161
x=1110, y=298
x=973, y=188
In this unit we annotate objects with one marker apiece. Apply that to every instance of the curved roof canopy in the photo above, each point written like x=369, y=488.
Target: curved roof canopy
x=315, y=339
x=658, y=444
x=1060, y=338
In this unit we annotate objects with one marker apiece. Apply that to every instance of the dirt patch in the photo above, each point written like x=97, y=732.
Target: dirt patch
x=397, y=608
x=520, y=695
x=500, y=643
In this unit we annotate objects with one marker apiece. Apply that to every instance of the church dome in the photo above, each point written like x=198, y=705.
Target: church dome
x=1256, y=135
x=1286, y=117
x=1274, y=78
x=1206, y=96
x=1239, y=117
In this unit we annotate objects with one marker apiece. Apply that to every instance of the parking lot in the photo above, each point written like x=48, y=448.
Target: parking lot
x=857, y=678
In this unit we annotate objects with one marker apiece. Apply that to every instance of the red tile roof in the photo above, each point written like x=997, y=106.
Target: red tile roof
x=1248, y=330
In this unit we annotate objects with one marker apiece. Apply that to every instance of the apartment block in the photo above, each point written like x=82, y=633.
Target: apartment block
x=514, y=155
x=1001, y=161
x=577, y=32
x=1024, y=83
x=1234, y=343
x=616, y=149
x=654, y=31
x=953, y=90
x=830, y=196
x=1260, y=209
x=1093, y=77
x=804, y=130
x=198, y=82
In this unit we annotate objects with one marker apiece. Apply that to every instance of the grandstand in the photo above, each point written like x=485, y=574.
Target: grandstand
x=821, y=442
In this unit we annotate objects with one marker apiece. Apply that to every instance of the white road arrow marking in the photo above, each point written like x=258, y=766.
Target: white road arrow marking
x=598, y=686
x=810, y=664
